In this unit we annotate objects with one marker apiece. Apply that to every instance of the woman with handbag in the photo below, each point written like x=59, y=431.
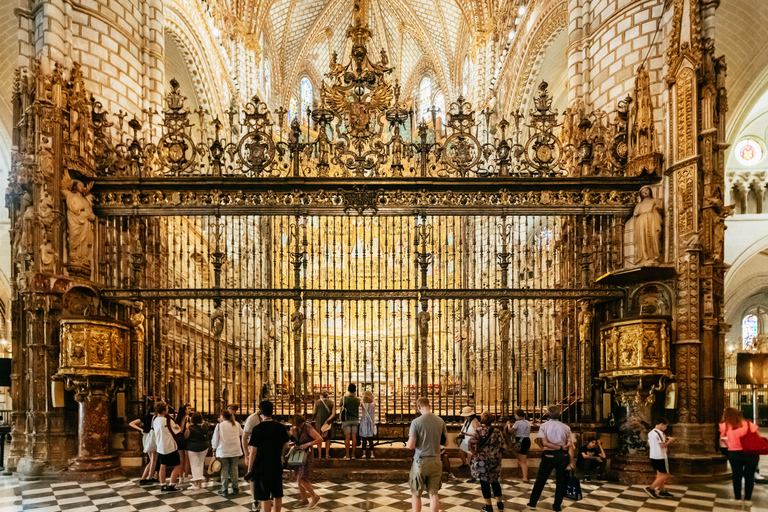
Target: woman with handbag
x=743, y=465
x=182, y=420
x=144, y=425
x=486, y=446
x=196, y=438
x=325, y=411
x=521, y=432
x=226, y=443
x=468, y=429
x=304, y=437
x=368, y=422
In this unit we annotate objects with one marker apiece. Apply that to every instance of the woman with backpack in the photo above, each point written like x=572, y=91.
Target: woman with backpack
x=486, y=446
x=226, y=443
x=166, y=432
x=743, y=465
x=196, y=438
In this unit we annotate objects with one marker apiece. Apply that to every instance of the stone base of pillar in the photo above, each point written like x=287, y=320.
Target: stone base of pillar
x=29, y=469
x=633, y=469
x=693, y=468
x=93, y=469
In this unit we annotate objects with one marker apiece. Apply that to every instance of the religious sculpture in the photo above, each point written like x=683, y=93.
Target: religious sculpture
x=585, y=322
x=505, y=318
x=297, y=321
x=642, y=129
x=647, y=229
x=80, y=220
x=137, y=321
x=424, y=318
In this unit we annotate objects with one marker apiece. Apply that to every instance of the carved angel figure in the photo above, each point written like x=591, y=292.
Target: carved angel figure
x=585, y=322
x=647, y=229
x=80, y=219
x=424, y=318
x=297, y=321
x=505, y=318
x=137, y=321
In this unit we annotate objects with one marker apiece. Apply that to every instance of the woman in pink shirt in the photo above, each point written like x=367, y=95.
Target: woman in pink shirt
x=732, y=427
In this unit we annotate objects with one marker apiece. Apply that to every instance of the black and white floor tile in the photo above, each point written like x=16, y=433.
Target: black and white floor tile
x=125, y=495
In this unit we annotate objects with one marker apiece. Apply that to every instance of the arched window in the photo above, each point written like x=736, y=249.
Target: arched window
x=425, y=91
x=306, y=99
x=293, y=107
x=440, y=105
x=749, y=331
x=466, y=77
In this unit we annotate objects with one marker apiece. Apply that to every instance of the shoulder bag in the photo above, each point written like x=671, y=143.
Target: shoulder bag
x=325, y=427
x=297, y=456
x=752, y=443
x=375, y=428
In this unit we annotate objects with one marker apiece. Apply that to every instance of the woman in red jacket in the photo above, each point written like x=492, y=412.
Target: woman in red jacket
x=743, y=465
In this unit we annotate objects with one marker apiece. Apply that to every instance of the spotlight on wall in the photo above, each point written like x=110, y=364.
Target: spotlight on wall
x=521, y=10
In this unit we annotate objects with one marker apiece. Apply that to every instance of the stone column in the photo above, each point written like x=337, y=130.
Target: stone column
x=94, y=458
x=696, y=184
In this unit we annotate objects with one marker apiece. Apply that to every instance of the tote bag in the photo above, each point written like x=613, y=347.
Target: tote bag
x=573, y=488
x=753, y=444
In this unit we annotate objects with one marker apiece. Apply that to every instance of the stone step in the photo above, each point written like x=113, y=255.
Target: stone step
x=378, y=462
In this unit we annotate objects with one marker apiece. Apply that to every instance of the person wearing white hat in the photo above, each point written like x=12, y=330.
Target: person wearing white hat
x=468, y=429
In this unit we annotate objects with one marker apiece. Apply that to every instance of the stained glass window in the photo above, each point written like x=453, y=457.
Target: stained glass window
x=306, y=98
x=425, y=91
x=748, y=152
x=293, y=106
x=749, y=331
x=440, y=104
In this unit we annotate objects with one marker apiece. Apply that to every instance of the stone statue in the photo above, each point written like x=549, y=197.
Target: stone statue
x=505, y=318
x=297, y=321
x=585, y=322
x=647, y=229
x=137, y=321
x=424, y=318
x=80, y=219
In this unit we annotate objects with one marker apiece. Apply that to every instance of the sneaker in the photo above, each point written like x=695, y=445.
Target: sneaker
x=223, y=493
x=665, y=494
x=452, y=477
x=500, y=505
x=163, y=488
x=363, y=456
x=346, y=458
x=144, y=481
x=373, y=456
x=171, y=488
x=313, y=502
x=650, y=492
x=530, y=507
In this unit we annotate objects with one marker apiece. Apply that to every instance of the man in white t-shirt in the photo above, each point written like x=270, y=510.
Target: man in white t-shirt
x=658, y=442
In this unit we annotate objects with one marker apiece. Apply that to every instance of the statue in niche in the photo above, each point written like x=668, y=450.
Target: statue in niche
x=647, y=229
x=652, y=302
x=137, y=321
x=505, y=318
x=643, y=125
x=80, y=220
x=585, y=322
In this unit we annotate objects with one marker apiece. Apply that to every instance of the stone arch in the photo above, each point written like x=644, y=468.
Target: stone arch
x=528, y=59
x=211, y=75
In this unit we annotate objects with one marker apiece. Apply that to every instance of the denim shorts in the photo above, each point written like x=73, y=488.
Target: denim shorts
x=350, y=427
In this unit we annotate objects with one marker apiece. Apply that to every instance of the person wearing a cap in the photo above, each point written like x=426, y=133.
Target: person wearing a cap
x=558, y=455
x=467, y=431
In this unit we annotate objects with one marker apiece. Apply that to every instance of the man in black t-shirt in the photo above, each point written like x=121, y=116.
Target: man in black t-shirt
x=268, y=439
x=592, y=459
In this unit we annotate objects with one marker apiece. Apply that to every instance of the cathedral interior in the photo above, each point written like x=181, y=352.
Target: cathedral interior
x=497, y=203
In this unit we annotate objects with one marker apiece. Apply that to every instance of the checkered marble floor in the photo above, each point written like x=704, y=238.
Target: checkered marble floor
x=124, y=495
